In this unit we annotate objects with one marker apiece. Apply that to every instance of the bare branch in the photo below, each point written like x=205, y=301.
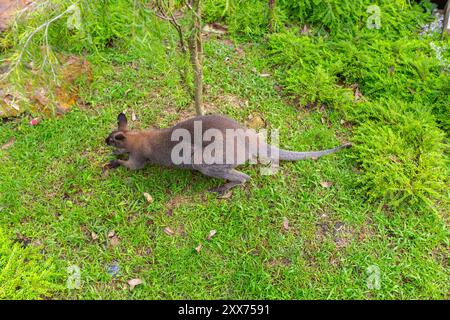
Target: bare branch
x=180, y=32
x=272, y=4
x=196, y=55
x=161, y=16
x=35, y=31
x=189, y=5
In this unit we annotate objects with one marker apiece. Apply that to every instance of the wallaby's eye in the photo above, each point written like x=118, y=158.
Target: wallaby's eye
x=119, y=136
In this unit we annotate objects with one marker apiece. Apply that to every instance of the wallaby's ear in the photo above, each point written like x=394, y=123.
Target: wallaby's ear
x=122, y=121
x=119, y=136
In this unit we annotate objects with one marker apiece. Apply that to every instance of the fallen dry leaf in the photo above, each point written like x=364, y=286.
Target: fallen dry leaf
x=148, y=197
x=133, y=116
x=357, y=93
x=198, y=248
x=265, y=75
x=285, y=223
x=40, y=97
x=111, y=234
x=394, y=159
x=255, y=122
x=8, y=144
x=228, y=42
x=9, y=102
x=84, y=229
x=305, y=29
x=326, y=184
x=134, y=282
x=114, y=241
x=169, y=231
x=278, y=88
x=361, y=236
x=127, y=92
x=240, y=51
x=211, y=234
x=215, y=28
x=226, y=195
x=36, y=243
x=35, y=121
x=105, y=170
x=94, y=236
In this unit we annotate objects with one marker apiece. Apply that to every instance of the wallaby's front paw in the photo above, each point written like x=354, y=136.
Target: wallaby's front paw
x=113, y=164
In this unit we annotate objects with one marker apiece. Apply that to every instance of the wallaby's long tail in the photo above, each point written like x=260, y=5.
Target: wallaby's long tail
x=294, y=155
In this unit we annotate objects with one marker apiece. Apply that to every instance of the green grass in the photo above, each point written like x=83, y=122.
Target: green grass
x=52, y=190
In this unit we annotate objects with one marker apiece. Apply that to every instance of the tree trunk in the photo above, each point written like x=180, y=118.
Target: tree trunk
x=271, y=14
x=196, y=55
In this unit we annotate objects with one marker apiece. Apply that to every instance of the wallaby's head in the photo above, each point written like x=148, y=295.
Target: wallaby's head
x=118, y=137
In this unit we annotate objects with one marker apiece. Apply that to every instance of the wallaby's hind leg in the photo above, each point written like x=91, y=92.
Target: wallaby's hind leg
x=233, y=176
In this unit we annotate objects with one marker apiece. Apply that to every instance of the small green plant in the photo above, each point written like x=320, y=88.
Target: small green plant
x=400, y=150
x=245, y=19
x=343, y=18
x=24, y=272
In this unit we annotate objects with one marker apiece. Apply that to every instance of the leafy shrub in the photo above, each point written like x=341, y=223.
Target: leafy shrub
x=215, y=10
x=249, y=19
x=400, y=150
x=438, y=93
x=343, y=18
x=331, y=14
x=24, y=274
x=405, y=96
x=245, y=18
x=308, y=68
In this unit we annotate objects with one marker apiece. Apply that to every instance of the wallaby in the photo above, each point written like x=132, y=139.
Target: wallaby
x=163, y=146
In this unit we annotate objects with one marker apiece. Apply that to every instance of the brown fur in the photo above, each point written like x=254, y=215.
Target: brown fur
x=155, y=147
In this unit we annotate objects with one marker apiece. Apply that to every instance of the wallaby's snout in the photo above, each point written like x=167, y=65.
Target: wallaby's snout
x=116, y=139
